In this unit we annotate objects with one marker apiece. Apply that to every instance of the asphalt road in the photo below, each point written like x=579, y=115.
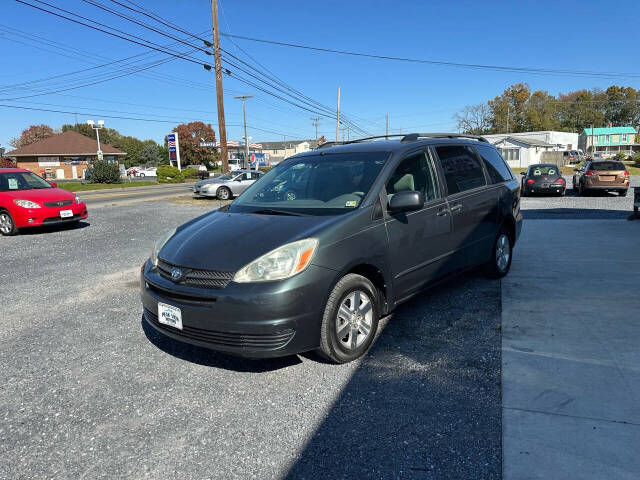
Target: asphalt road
x=89, y=392
x=131, y=195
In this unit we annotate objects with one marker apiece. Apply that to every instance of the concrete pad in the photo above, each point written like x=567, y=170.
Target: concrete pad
x=570, y=360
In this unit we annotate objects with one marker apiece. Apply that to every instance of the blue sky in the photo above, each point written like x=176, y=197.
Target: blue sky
x=417, y=97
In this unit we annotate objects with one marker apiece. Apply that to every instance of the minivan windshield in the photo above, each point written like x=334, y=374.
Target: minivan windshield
x=313, y=185
x=21, y=181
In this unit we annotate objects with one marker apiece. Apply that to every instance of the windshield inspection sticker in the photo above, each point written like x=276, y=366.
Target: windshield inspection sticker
x=351, y=203
x=13, y=183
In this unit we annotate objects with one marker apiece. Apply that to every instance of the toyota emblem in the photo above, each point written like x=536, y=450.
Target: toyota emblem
x=176, y=274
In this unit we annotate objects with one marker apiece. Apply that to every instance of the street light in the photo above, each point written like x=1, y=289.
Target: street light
x=244, y=116
x=97, y=128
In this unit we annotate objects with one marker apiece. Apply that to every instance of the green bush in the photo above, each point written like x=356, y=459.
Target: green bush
x=264, y=169
x=102, y=171
x=190, y=173
x=169, y=174
x=621, y=156
x=636, y=159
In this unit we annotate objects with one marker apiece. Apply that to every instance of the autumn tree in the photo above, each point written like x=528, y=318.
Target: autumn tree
x=31, y=135
x=541, y=112
x=508, y=111
x=189, y=137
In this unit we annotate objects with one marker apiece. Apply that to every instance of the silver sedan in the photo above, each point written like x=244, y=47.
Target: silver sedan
x=227, y=186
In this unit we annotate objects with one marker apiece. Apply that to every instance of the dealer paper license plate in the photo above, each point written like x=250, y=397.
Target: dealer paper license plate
x=170, y=315
x=66, y=213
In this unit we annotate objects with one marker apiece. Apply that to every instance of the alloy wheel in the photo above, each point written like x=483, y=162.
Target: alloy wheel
x=354, y=320
x=503, y=252
x=6, y=224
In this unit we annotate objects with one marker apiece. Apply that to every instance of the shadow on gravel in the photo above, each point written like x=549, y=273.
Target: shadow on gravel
x=425, y=402
x=210, y=358
x=574, y=214
x=41, y=230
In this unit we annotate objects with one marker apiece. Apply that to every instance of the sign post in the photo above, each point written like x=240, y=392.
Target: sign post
x=174, y=149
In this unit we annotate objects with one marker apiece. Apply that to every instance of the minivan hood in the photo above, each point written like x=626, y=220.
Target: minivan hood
x=229, y=241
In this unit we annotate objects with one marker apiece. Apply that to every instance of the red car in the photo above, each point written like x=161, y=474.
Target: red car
x=26, y=200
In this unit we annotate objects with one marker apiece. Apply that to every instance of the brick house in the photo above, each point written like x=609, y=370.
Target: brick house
x=66, y=155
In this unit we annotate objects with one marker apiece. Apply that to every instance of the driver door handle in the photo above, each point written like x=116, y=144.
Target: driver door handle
x=456, y=208
x=442, y=213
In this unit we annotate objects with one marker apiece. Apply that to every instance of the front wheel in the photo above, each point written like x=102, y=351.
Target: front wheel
x=7, y=225
x=350, y=319
x=142, y=175
x=223, y=193
x=500, y=262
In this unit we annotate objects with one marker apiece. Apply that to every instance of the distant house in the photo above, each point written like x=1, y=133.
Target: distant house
x=66, y=155
x=278, y=151
x=608, y=141
x=521, y=151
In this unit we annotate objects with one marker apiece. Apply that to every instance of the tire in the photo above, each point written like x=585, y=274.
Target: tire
x=574, y=188
x=142, y=175
x=499, y=264
x=354, y=339
x=581, y=191
x=7, y=225
x=223, y=193
x=622, y=193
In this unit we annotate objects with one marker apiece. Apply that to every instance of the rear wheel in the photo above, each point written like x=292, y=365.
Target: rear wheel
x=350, y=319
x=622, y=193
x=142, y=174
x=223, y=193
x=7, y=225
x=500, y=262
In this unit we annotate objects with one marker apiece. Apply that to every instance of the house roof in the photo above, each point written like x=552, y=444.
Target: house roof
x=67, y=143
x=532, y=142
x=287, y=144
x=609, y=130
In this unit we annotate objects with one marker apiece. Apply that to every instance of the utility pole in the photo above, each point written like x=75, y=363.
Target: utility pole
x=508, y=111
x=386, y=129
x=218, y=67
x=338, y=118
x=348, y=134
x=246, y=139
x=315, y=121
x=97, y=128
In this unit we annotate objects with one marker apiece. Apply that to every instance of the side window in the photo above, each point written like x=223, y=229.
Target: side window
x=496, y=167
x=414, y=173
x=461, y=166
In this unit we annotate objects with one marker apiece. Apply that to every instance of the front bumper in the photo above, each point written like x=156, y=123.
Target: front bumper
x=44, y=216
x=269, y=319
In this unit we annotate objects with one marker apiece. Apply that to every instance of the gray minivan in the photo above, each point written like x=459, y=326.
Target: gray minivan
x=373, y=223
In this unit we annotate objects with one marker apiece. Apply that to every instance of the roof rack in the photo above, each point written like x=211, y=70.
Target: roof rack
x=411, y=137
x=366, y=139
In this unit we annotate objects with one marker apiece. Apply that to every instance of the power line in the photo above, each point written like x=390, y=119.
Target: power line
x=547, y=71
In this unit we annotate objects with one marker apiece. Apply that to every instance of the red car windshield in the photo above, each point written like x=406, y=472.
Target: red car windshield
x=10, y=181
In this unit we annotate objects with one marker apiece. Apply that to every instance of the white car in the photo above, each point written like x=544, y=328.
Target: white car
x=147, y=172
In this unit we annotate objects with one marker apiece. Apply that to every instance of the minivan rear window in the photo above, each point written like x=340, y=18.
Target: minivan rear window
x=607, y=166
x=461, y=166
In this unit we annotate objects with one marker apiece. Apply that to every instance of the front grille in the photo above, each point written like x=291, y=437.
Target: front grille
x=195, y=277
x=248, y=341
x=61, y=220
x=61, y=203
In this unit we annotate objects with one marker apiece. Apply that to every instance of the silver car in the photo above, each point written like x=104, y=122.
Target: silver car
x=228, y=185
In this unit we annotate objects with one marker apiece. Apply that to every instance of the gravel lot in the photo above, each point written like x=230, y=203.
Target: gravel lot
x=89, y=393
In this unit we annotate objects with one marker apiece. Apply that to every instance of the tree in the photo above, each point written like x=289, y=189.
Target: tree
x=31, y=135
x=541, y=112
x=508, y=110
x=474, y=119
x=150, y=155
x=189, y=137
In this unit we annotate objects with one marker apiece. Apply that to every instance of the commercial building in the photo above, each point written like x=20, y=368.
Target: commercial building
x=66, y=155
x=608, y=141
x=526, y=148
x=278, y=151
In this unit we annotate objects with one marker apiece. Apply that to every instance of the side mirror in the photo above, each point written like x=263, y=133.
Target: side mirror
x=522, y=173
x=53, y=184
x=406, y=201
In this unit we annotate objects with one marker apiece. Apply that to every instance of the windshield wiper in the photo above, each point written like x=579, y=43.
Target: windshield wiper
x=268, y=211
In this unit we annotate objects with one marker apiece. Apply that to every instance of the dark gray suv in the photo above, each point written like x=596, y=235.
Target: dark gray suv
x=373, y=223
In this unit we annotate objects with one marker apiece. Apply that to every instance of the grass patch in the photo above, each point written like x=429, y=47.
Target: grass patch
x=83, y=187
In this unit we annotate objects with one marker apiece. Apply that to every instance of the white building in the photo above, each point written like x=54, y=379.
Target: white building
x=526, y=148
x=278, y=151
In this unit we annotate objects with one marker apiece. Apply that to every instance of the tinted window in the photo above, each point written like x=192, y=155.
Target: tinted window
x=537, y=170
x=414, y=173
x=462, y=169
x=607, y=166
x=495, y=165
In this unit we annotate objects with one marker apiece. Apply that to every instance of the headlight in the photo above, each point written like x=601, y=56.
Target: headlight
x=158, y=246
x=278, y=264
x=26, y=204
x=78, y=200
